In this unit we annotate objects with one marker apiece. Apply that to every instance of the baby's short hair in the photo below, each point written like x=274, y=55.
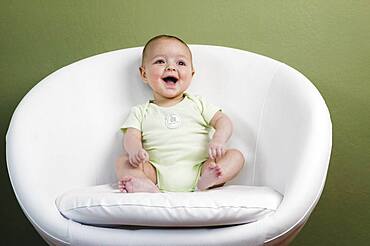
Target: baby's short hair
x=159, y=37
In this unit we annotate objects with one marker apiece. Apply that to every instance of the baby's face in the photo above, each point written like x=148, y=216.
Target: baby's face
x=167, y=68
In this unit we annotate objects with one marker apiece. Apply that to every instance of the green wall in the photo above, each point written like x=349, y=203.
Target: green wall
x=328, y=41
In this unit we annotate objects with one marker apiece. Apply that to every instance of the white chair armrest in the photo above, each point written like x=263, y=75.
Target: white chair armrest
x=293, y=146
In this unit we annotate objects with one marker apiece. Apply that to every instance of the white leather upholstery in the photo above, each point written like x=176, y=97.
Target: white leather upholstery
x=65, y=134
x=228, y=205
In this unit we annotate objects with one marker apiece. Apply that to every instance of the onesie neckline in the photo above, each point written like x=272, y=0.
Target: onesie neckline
x=170, y=107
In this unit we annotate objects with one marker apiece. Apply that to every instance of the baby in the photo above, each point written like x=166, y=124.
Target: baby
x=167, y=144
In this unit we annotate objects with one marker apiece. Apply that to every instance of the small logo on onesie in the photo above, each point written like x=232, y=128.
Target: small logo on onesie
x=173, y=120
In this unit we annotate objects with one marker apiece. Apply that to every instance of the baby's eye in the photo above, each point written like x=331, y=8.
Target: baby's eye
x=181, y=63
x=160, y=61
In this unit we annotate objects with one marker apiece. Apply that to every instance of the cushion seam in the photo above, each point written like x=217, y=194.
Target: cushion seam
x=176, y=207
x=260, y=123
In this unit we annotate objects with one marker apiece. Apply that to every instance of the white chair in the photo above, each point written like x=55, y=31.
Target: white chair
x=65, y=134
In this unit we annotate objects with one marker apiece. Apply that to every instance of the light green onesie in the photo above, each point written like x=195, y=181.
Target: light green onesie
x=176, y=139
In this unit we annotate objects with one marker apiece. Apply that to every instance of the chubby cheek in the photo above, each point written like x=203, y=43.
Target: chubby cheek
x=156, y=74
x=186, y=75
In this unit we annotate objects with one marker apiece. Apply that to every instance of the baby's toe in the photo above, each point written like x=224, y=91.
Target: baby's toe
x=218, y=171
x=125, y=179
x=121, y=187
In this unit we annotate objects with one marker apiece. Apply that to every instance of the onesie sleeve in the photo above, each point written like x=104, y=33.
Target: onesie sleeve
x=134, y=119
x=208, y=110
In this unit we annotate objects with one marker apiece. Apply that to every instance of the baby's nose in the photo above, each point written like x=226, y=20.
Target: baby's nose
x=170, y=68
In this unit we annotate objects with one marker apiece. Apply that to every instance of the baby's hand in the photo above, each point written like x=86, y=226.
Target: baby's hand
x=139, y=157
x=216, y=150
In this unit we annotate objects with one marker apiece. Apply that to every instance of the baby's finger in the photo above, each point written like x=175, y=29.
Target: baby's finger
x=212, y=165
x=137, y=159
x=142, y=162
x=142, y=156
x=146, y=155
x=133, y=162
x=219, y=152
x=210, y=153
x=214, y=153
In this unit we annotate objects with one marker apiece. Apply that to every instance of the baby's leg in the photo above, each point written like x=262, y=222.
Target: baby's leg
x=135, y=179
x=215, y=173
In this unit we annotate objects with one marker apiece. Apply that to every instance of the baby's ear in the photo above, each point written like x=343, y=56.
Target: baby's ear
x=142, y=73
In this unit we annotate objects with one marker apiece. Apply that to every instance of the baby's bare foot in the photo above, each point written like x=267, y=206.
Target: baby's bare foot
x=210, y=176
x=131, y=184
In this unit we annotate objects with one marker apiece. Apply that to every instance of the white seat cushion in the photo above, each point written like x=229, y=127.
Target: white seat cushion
x=106, y=205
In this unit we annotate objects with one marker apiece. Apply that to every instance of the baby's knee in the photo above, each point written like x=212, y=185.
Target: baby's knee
x=121, y=160
x=237, y=155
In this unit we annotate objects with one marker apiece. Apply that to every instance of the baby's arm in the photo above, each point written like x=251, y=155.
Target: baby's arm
x=134, y=147
x=224, y=129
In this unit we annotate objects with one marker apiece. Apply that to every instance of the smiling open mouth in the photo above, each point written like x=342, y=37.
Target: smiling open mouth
x=170, y=79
